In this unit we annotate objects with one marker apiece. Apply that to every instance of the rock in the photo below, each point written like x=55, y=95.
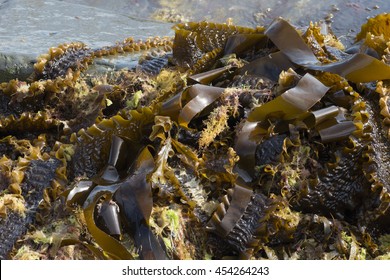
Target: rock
x=30, y=27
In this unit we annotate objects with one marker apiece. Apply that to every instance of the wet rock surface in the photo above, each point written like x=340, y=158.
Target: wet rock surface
x=30, y=28
x=346, y=17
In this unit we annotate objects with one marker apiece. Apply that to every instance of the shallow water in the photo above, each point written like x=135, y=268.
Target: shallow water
x=345, y=17
x=29, y=28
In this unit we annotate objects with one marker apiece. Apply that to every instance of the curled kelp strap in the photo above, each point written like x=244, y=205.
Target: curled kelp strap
x=207, y=77
x=229, y=212
x=89, y=194
x=269, y=66
x=356, y=68
x=79, y=193
x=127, y=197
x=149, y=244
x=319, y=116
x=200, y=96
x=108, y=218
x=123, y=153
x=135, y=188
x=112, y=247
x=330, y=123
x=291, y=104
x=240, y=43
x=172, y=106
x=118, y=160
x=134, y=198
x=244, y=219
x=337, y=131
x=248, y=137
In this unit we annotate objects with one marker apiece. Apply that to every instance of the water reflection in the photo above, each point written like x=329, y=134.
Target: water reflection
x=346, y=17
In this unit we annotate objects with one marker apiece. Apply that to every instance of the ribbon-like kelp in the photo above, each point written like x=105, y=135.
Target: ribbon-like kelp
x=356, y=68
x=289, y=105
x=224, y=141
x=132, y=194
x=200, y=96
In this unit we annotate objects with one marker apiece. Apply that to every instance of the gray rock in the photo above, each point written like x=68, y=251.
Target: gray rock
x=30, y=27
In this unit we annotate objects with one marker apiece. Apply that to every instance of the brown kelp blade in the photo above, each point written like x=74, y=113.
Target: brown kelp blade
x=149, y=244
x=79, y=193
x=109, y=218
x=337, y=131
x=317, y=117
x=245, y=146
x=199, y=96
x=131, y=197
x=202, y=96
x=331, y=123
x=291, y=104
x=357, y=68
x=240, y=43
x=269, y=66
x=207, y=77
x=223, y=221
x=111, y=247
x=123, y=154
x=134, y=198
x=136, y=188
x=172, y=106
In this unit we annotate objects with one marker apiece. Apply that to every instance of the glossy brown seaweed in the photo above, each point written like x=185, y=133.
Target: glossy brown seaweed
x=223, y=142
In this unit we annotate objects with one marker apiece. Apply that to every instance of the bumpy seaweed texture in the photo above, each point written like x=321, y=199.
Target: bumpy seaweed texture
x=38, y=177
x=224, y=142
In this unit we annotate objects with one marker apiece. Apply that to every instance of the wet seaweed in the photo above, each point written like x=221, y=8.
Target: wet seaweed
x=223, y=142
x=38, y=176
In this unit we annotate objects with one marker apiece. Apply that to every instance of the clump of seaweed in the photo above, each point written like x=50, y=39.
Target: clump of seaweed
x=223, y=142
